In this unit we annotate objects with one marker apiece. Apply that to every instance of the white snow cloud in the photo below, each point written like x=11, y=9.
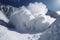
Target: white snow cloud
x=32, y=16
x=37, y=8
x=6, y=34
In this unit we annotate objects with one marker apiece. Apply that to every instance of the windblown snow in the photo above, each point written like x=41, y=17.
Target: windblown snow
x=6, y=34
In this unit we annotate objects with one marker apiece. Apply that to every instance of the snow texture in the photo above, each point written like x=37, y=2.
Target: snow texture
x=6, y=34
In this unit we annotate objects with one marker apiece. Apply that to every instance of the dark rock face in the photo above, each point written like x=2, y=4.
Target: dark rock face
x=9, y=25
x=3, y=23
x=7, y=10
x=55, y=27
x=52, y=14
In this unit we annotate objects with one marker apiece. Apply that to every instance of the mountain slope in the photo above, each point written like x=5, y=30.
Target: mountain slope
x=51, y=33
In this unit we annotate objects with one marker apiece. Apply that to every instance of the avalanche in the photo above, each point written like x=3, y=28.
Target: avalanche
x=32, y=18
x=29, y=19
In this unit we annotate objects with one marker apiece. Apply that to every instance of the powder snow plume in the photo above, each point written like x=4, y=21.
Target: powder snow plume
x=32, y=17
x=37, y=8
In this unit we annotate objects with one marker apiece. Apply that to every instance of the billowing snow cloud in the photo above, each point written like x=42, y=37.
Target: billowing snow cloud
x=37, y=8
x=32, y=18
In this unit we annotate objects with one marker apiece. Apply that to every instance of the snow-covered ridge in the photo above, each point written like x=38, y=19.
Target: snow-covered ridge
x=25, y=18
x=3, y=17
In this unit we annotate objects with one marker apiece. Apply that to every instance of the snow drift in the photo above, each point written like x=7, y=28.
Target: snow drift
x=31, y=18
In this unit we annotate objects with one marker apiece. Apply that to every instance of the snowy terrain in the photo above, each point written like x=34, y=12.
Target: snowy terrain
x=37, y=24
x=3, y=17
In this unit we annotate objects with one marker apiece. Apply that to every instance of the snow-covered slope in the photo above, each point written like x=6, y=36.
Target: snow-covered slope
x=6, y=34
x=7, y=10
x=3, y=17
